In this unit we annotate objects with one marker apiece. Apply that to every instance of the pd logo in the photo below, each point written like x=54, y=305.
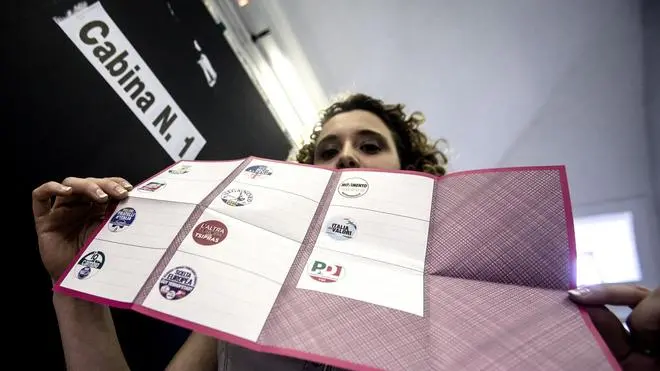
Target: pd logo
x=324, y=272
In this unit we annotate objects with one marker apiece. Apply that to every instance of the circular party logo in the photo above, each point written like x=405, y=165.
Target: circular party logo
x=89, y=264
x=236, y=197
x=341, y=229
x=152, y=186
x=177, y=283
x=180, y=169
x=258, y=171
x=122, y=219
x=210, y=232
x=353, y=187
x=324, y=272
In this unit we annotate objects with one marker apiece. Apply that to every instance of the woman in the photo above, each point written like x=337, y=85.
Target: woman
x=359, y=131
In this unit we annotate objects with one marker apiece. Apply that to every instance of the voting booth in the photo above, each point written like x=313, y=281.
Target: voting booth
x=129, y=90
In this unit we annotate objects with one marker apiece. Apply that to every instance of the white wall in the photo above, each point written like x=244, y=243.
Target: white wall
x=507, y=82
x=479, y=70
x=594, y=123
x=518, y=82
x=651, y=22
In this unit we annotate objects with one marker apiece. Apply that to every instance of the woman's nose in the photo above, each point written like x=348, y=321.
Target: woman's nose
x=347, y=160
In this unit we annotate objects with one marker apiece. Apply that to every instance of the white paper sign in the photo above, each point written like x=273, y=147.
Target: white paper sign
x=104, y=45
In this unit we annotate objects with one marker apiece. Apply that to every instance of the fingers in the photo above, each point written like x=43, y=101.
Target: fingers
x=646, y=316
x=115, y=187
x=610, y=294
x=42, y=195
x=611, y=330
x=644, y=322
x=97, y=189
x=123, y=182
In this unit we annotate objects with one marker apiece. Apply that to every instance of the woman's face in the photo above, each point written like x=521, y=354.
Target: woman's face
x=356, y=139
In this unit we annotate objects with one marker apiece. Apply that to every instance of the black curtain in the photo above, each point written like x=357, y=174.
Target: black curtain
x=67, y=121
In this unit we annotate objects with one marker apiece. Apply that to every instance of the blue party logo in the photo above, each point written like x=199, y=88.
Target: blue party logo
x=89, y=264
x=122, y=219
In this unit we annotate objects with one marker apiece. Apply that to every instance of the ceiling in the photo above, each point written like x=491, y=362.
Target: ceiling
x=480, y=71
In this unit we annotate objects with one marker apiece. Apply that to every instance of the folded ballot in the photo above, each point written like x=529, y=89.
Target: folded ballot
x=356, y=268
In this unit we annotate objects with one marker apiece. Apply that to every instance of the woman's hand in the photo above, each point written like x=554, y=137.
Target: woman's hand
x=65, y=214
x=638, y=349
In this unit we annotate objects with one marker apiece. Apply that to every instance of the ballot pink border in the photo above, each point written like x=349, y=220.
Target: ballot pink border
x=309, y=356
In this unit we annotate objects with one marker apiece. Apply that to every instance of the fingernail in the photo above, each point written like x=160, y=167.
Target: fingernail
x=66, y=188
x=127, y=185
x=580, y=291
x=120, y=190
x=101, y=194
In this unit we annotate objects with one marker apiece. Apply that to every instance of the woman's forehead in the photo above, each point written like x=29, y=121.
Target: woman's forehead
x=347, y=124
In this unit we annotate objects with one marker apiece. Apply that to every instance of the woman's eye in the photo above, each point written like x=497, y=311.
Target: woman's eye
x=370, y=148
x=328, y=154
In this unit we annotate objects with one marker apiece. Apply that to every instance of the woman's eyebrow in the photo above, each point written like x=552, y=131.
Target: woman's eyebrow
x=370, y=133
x=364, y=133
x=328, y=138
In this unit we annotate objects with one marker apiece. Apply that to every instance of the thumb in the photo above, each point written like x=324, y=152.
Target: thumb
x=609, y=294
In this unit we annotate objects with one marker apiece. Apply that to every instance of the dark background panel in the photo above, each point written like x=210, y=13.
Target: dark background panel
x=65, y=120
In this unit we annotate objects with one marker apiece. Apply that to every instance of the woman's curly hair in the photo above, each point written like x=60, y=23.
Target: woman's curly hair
x=415, y=151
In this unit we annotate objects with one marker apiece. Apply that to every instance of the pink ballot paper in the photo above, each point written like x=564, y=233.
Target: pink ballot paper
x=355, y=268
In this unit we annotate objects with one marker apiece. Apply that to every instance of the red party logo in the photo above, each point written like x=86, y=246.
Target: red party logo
x=210, y=232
